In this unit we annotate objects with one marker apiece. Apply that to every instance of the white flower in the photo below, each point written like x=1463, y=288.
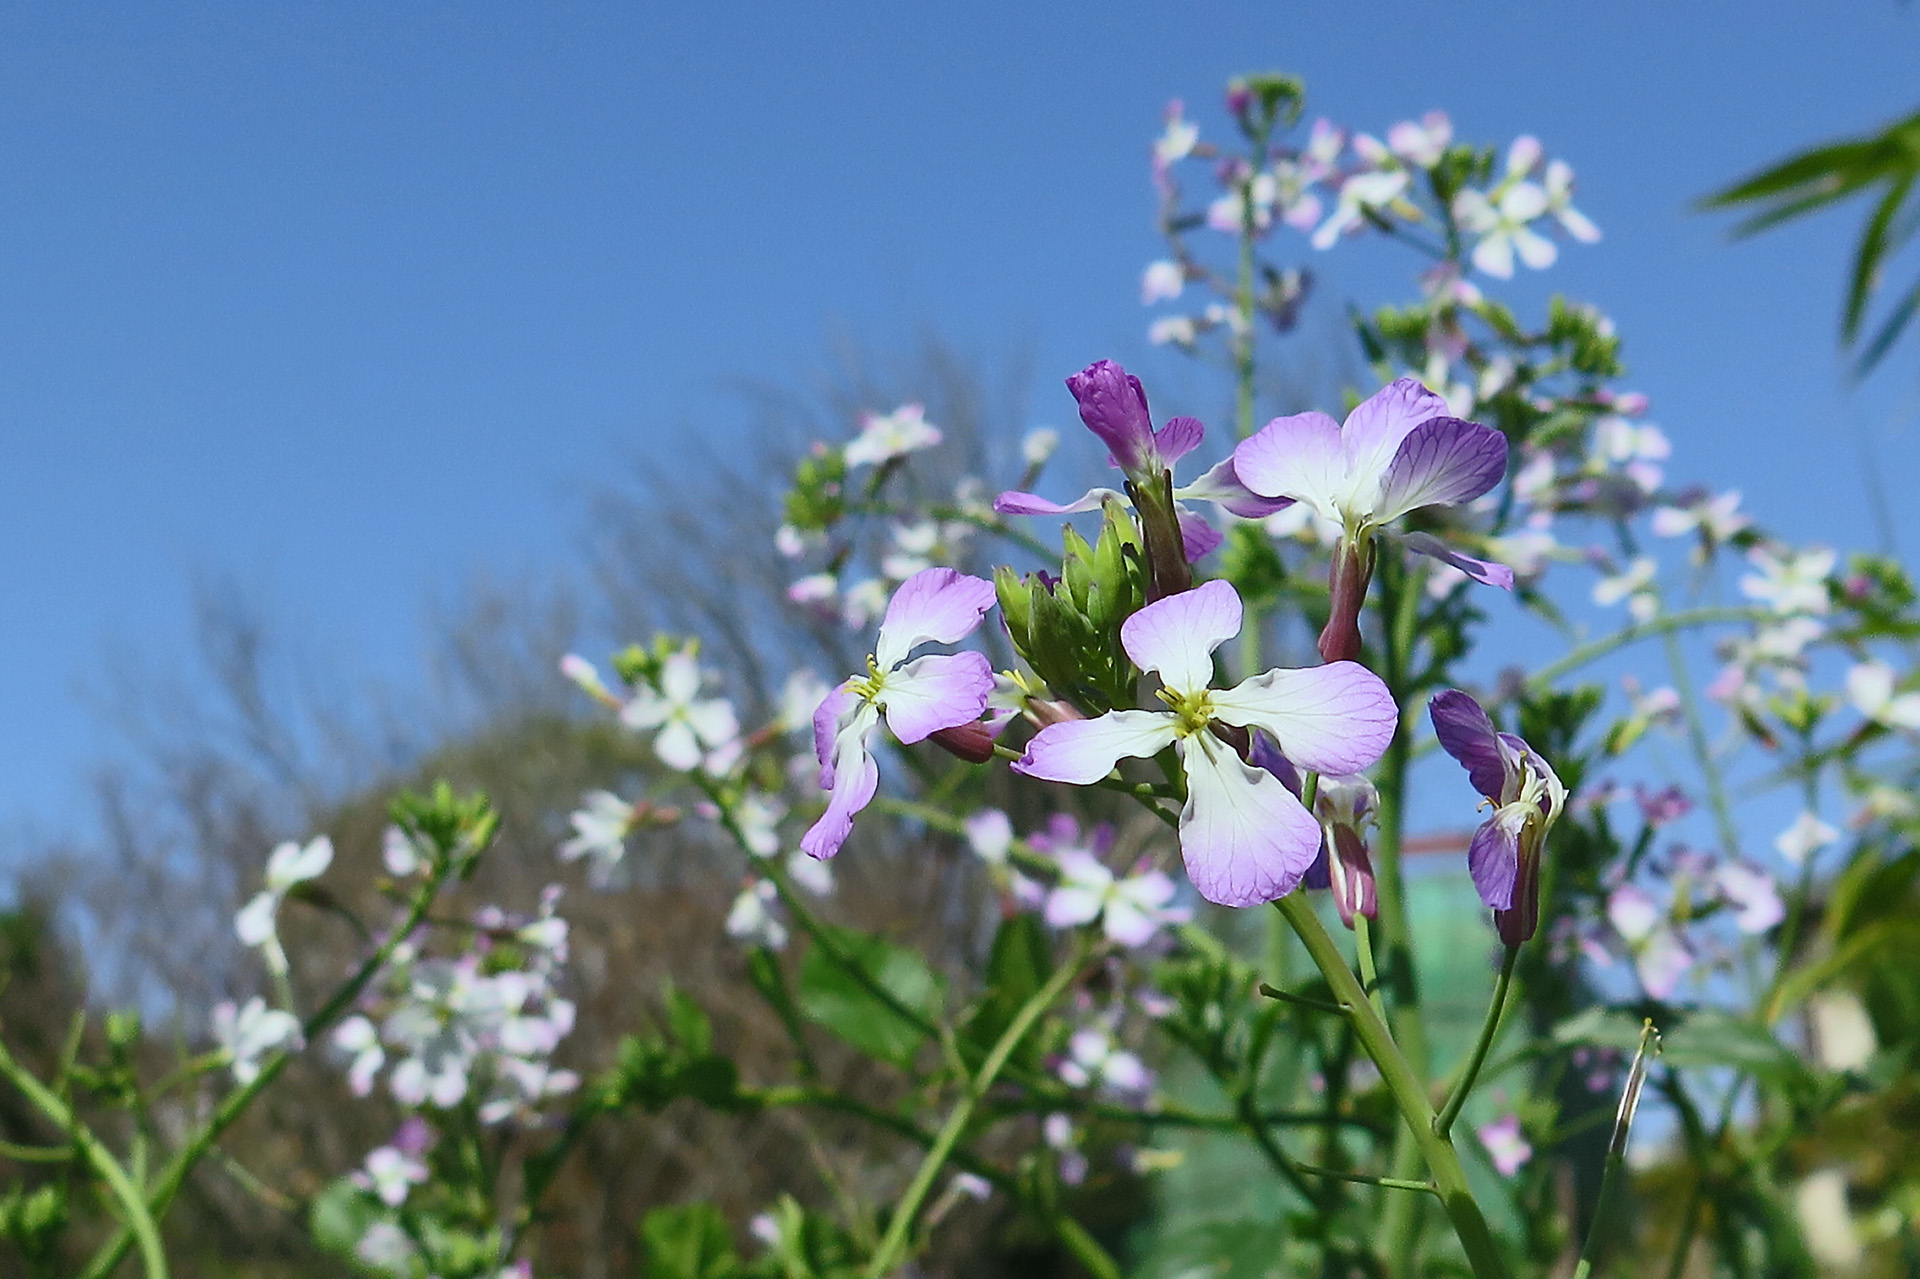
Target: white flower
x=1789, y=582
x=1503, y=223
x=1175, y=330
x=800, y=696
x=250, y=1032
x=896, y=434
x=1717, y=517
x=689, y=727
x=990, y=835
x=357, y=1039
x=1094, y=1060
x=1422, y=143
x=600, y=833
x=1363, y=193
x=1559, y=186
x=752, y=917
x=288, y=866
x=1805, y=837
x=1870, y=687
x=1633, y=586
x=1181, y=136
x=811, y=874
x=1039, y=445
x=391, y=1175
x=1162, y=281
x=1130, y=910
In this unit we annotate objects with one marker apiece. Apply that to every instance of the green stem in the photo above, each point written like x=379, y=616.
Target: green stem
x=893, y=1244
x=139, y=1221
x=1369, y=974
x=1408, y=1092
x=1614, y=1176
x=236, y=1102
x=1368, y=1179
x=1702, y=749
x=1443, y=1123
x=1665, y=624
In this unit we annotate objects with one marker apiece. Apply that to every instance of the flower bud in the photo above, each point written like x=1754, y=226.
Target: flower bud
x=1347, y=591
x=971, y=742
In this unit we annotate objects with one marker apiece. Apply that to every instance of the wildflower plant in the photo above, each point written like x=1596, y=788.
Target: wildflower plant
x=1177, y=762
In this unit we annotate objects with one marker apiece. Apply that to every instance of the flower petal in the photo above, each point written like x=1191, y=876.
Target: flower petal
x=1336, y=718
x=1443, y=461
x=1197, y=537
x=1176, y=636
x=1114, y=406
x=827, y=719
x=1244, y=837
x=1493, y=859
x=856, y=777
x=934, y=606
x=1073, y=905
x=1487, y=572
x=935, y=692
x=1378, y=424
x=1082, y=751
x=1468, y=735
x=1299, y=457
x=1222, y=485
x=1179, y=437
x=1014, y=502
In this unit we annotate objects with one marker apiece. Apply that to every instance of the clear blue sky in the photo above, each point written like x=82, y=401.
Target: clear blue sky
x=347, y=299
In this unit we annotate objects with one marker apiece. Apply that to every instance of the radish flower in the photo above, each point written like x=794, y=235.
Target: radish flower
x=1246, y=839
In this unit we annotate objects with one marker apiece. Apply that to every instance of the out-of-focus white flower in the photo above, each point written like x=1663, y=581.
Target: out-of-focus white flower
x=1039, y=445
x=693, y=732
x=1805, y=837
x=884, y=437
x=391, y=1175
x=1505, y=1144
x=600, y=832
x=1632, y=585
x=1870, y=687
x=990, y=835
x=1174, y=330
x=1094, y=1060
x=1789, y=582
x=1162, y=281
x=250, y=1032
x=752, y=917
x=288, y=866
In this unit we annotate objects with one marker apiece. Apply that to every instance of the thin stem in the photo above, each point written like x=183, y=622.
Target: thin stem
x=893, y=1244
x=1723, y=821
x=139, y=1224
x=1368, y=1179
x=1409, y=1094
x=1665, y=624
x=236, y=1102
x=1443, y=1122
x=1369, y=974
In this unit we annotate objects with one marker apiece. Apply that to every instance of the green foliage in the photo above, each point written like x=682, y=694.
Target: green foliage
x=1068, y=628
x=1885, y=164
x=846, y=1005
x=688, y=1241
x=1019, y=963
x=657, y=1069
x=33, y=1221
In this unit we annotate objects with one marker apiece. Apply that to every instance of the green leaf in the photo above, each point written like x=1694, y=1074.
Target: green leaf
x=1018, y=965
x=340, y=1217
x=835, y=998
x=687, y=1241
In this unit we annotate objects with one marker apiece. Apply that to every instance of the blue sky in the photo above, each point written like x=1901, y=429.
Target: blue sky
x=347, y=300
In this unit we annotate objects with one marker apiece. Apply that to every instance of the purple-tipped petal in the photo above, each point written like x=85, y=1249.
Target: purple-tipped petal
x=1179, y=437
x=1336, y=718
x=935, y=692
x=1493, y=859
x=1243, y=835
x=1222, y=486
x=1176, y=636
x=1114, y=406
x=1444, y=461
x=934, y=606
x=1374, y=430
x=1468, y=735
x=857, y=777
x=826, y=727
x=1486, y=572
x=1268, y=756
x=1197, y=537
x=1014, y=502
x=1299, y=457
x=1082, y=751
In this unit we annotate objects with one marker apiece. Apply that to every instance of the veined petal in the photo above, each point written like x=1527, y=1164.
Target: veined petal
x=1486, y=572
x=856, y=777
x=1222, y=485
x=1299, y=457
x=1444, y=461
x=1177, y=438
x=1493, y=859
x=827, y=719
x=935, y=692
x=1014, y=502
x=1176, y=636
x=1336, y=718
x=1197, y=537
x=1082, y=751
x=1468, y=735
x=1378, y=424
x=1244, y=837
x=934, y=606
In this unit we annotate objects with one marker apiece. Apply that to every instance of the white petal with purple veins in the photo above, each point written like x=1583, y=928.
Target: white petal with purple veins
x=1083, y=751
x=1374, y=430
x=1244, y=837
x=1442, y=462
x=934, y=606
x=1176, y=636
x=1222, y=485
x=856, y=777
x=1336, y=718
x=1300, y=457
x=935, y=692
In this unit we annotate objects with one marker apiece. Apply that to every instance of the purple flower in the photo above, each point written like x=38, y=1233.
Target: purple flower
x=919, y=698
x=1399, y=451
x=1245, y=837
x=1114, y=407
x=1504, y=857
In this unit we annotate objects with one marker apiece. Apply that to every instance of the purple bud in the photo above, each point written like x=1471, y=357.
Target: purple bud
x=1350, y=875
x=972, y=742
x=1347, y=586
x=1113, y=404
